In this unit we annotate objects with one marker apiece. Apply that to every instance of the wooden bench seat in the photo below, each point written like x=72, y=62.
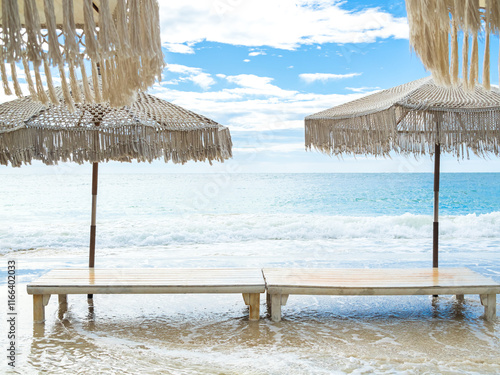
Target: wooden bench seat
x=281, y=282
x=248, y=282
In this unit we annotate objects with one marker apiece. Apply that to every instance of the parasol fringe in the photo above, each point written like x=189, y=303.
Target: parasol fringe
x=128, y=36
x=406, y=128
x=465, y=60
x=95, y=83
x=15, y=82
x=32, y=25
x=75, y=88
x=11, y=30
x=50, y=22
x=486, y=63
x=5, y=80
x=89, y=98
x=108, y=37
x=69, y=29
x=42, y=96
x=53, y=145
x=89, y=26
x=135, y=27
x=122, y=28
x=29, y=79
x=454, y=53
x=50, y=84
x=65, y=90
x=474, y=64
x=430, y=19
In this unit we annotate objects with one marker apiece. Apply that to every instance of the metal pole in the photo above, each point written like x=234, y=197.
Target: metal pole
x=435, y=229
x=93, y=220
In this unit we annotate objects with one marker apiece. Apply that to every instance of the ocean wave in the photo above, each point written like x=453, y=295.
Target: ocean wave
x=224, y=228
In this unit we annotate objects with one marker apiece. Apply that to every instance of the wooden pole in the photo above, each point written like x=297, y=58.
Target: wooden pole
x=93, y=219
x=435, y=229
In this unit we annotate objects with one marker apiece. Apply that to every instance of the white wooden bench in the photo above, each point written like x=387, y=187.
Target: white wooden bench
x=281, y=282
x=248, y=282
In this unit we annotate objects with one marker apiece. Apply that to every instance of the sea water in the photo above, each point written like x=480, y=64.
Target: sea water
x=252, y=220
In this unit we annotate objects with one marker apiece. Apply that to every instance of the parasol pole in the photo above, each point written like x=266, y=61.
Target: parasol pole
x=93, y=219
x=435, y=232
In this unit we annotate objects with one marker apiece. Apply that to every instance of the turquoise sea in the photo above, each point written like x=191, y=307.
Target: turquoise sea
x=253, y=220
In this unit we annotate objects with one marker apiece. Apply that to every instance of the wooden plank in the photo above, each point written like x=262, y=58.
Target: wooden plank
x=110, y=281
x=371, y=279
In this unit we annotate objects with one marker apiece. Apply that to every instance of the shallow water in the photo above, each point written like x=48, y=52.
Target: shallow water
x=276, y=225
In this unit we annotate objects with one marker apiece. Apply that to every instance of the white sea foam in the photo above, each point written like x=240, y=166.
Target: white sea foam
x=224, y=228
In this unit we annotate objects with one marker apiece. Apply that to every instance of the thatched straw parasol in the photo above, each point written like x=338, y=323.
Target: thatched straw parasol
x=417, y=118
x=435, y=28
x=151, y=128
x=120, y=36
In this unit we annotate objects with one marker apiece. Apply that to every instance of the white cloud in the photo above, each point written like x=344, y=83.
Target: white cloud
x=275, y=23
x=246, y=60
x=257, y=53
x=195, y=75
x=363, y=89
x=323, y=77
x=179, y=48
x=254, y=103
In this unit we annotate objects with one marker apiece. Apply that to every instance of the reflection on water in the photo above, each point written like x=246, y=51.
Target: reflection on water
x=200, y=334
x=211, y=334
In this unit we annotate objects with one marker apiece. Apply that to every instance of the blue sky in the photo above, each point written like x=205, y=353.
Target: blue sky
x=259, y=67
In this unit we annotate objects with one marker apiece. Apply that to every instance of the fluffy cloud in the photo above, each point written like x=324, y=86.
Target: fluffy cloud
x=253, y=103
x=363, y=89
x=195, y=75
x=274, y=23
x=323, y=77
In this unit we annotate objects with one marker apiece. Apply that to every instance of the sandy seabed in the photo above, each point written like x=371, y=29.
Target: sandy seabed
x=211, y=334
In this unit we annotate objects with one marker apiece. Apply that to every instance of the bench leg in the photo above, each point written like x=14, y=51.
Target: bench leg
x=254, y=303
x=246, y=298
x=63, y=304
x=276, y=307
x=39, y=303
x=489, y=301
x=460, y=297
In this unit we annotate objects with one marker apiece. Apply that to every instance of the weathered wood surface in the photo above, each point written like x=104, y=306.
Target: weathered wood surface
x=280, y=282
x=378, y=281
x=248, y=282
x=149, y=280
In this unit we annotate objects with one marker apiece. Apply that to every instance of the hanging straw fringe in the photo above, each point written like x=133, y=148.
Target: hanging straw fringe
x=65, y=90
x=15, y=82
x=149, y=129
x=29, y=79
x=32, y=24
x=433, y=21
x=85, y=82
x=95, y=82
x=404, y=118
x=50, y=84
x=69, y=28
x=123, y=36
x=5, y=81
x=42, y=96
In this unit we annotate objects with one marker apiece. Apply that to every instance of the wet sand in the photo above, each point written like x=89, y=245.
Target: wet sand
x=211, y=334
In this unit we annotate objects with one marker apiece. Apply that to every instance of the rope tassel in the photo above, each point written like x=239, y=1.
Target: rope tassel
x=123, y=36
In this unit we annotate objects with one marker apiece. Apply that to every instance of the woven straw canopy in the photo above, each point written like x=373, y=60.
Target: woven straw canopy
x=435, y=29
x=410, y=118
x=122, y=37
x=148, y=129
